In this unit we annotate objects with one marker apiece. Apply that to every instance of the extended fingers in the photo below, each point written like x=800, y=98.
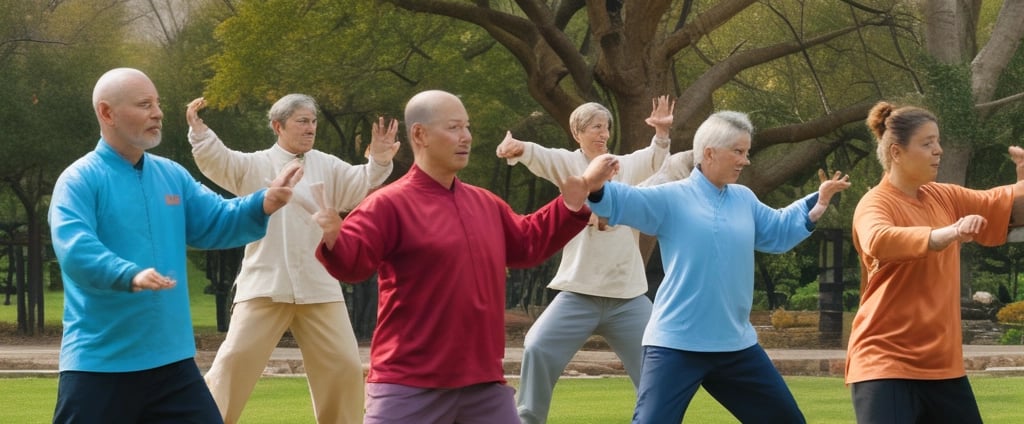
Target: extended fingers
x=290, y=174
x=385, y=128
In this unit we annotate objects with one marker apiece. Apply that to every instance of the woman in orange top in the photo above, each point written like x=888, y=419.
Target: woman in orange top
x=905, y=357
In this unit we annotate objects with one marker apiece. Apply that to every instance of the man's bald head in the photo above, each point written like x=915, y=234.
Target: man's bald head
x=127, y=107
x=109, y=88
x=422, y=108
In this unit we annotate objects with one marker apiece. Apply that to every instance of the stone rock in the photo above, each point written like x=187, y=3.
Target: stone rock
x=983, y=297
x=972, y=310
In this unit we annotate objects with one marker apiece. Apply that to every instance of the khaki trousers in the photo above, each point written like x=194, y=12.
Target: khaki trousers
x=329, y=350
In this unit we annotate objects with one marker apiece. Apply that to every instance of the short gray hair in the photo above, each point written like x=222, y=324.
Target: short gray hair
x=718, y=131
x=583, y=115
x=286, y=106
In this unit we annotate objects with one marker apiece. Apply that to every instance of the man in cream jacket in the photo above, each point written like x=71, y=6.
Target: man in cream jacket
x=281, y=285
x=601, y=276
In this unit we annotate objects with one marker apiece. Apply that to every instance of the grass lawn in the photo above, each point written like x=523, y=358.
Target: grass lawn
x=204, y=308
x=590, y=401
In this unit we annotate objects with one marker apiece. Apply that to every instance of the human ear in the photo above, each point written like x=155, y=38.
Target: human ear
x=105, y=112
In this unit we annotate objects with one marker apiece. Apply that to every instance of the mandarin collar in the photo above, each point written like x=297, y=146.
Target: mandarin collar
x=705, y=184
x=109, y=155
x=278, y=153
x=421, y=179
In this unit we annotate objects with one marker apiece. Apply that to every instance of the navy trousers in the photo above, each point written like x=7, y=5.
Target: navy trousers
x=173, y=393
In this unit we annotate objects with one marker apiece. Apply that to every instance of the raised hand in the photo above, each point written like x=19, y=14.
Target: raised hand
x=1017, y=155
x=510, y=147
x=192, y=115
x=384, y=142
x=280, y=190
x=829, y=187
x=327, y=217
x=661, y=116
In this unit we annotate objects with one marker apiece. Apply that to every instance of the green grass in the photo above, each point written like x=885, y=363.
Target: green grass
x=591, y=401
x=204, y=308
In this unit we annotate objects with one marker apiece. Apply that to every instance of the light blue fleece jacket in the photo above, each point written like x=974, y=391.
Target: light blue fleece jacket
x=109, y=220
x=707, y=238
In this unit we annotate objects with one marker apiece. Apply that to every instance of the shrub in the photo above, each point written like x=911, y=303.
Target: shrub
x=1013, y=336
x=1012, y=313
x=804, y=298
x=782, y=318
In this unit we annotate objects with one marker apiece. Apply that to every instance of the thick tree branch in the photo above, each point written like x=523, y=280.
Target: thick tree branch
x=992, y=60
x=816, y=128
x=723, y=71
x=764, y=176
x=566, y=10
x=544, y=21
x=989, y=108
x=702, y=25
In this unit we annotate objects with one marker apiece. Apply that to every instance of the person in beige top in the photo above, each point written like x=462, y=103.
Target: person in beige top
x=601, y=276
x=281, y=285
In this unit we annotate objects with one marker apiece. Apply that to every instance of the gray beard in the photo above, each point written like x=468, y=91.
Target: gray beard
x=146, y=144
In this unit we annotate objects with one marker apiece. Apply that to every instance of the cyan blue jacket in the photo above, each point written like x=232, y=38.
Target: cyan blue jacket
x=109, y=220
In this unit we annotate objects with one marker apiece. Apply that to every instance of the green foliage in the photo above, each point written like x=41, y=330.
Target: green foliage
x=949, y=96
x=1012, y=313
x=804, y=298
x=361, y=60
x=48, y=79
x=1013, y=336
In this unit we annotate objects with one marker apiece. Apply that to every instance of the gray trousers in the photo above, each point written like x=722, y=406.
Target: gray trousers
x=561, y=330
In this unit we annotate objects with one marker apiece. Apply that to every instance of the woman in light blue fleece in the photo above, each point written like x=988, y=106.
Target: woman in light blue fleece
x=708, y=228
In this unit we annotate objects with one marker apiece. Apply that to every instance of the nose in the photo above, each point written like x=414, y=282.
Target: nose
x=158, y=113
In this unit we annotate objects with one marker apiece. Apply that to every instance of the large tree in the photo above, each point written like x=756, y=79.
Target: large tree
x=952, y=38
x=971, y=81
x=806, y=68
x=50, y=54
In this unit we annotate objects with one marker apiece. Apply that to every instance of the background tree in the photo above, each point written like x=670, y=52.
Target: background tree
x=50, y=53
x=772, y=53
x=972, y=86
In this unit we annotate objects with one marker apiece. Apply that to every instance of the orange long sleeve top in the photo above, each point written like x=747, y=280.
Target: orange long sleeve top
x=908, y=323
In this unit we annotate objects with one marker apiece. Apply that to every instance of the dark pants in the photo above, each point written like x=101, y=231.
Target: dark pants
x=898, y=401
x=173, y=393
x=744, y=382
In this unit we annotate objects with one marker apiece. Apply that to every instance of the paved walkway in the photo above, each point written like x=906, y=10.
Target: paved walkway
x=32, y=360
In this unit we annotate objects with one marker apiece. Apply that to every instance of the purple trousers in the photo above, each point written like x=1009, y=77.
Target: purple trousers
x=490, y=403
